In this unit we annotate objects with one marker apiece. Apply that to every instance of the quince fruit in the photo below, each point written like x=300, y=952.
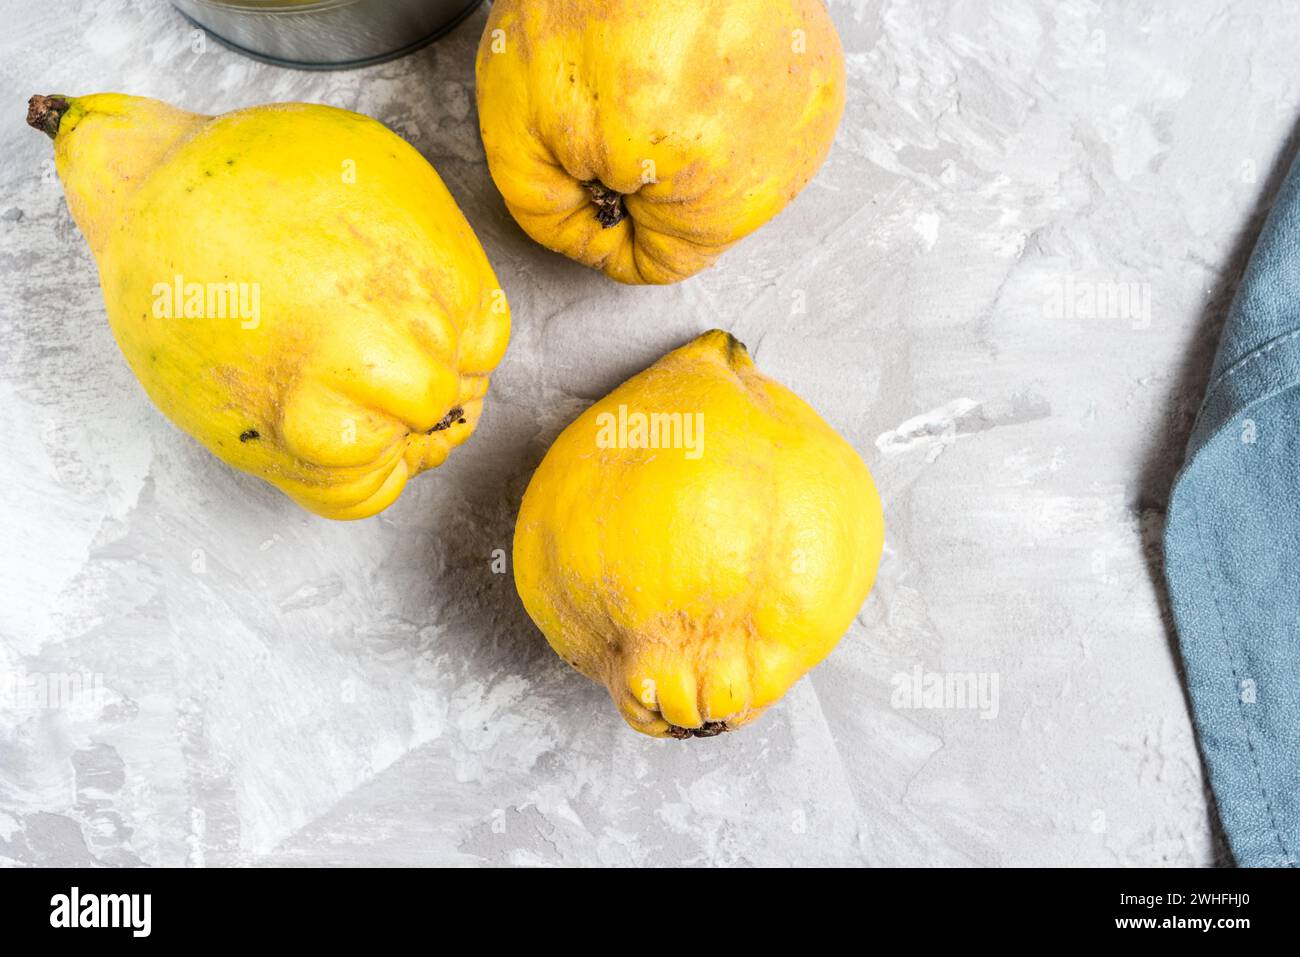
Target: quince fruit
x=644, y=139
x=697, y=540
x=292, y=284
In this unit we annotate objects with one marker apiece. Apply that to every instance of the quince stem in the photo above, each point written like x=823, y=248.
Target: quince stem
x=708, y=730
x=610, y=210
x=45, y=112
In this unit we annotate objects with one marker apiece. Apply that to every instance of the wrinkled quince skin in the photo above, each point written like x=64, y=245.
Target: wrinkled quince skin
x=697, y=580
x=644, y=139
x=368, y=317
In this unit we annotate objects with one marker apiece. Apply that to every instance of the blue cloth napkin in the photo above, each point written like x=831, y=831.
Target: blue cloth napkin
x=1232, y=553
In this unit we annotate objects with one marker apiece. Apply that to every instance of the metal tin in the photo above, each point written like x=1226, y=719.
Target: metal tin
x=325, y=34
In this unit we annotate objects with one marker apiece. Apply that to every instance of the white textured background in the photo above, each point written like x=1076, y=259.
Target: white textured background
x=280, y=689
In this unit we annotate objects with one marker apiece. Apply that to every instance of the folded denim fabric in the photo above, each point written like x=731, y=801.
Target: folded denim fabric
x=1232, y=553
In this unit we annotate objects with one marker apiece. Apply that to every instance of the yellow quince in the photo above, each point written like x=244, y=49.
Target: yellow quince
x=644, y=139
x=292, y=284
x=697, y=540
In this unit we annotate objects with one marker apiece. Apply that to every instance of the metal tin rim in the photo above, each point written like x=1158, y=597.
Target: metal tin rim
x=271, y=8
x=411, y=47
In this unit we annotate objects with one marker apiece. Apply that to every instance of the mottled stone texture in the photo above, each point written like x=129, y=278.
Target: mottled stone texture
x=1003, y=288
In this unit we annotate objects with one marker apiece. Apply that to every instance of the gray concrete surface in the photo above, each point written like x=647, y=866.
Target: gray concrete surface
x=1010, y=272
